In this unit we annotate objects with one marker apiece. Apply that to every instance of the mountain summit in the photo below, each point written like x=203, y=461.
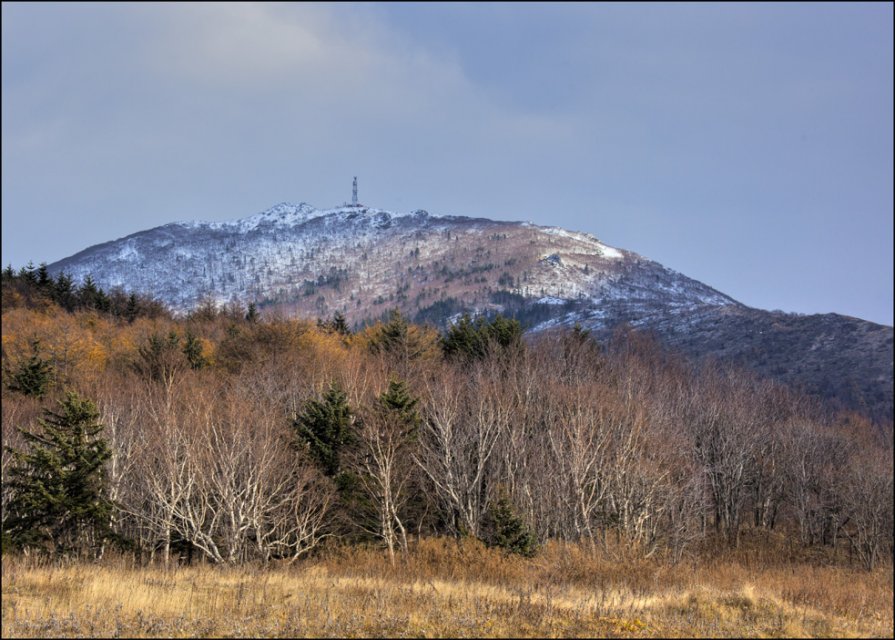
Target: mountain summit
x=364, y=261
x=357, y=260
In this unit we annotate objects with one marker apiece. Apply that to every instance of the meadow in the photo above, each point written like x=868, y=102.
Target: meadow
x=448, y=588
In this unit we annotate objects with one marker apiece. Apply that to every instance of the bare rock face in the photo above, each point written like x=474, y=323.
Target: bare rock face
x=363, y=261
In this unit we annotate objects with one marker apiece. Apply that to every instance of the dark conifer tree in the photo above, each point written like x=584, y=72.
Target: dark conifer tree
x=160, y=357
x=192, y=349
x=34, y=377
x=395, y=338
x=506, y=530
x=468, y=340
x=393, y=335
x=505, y=332
x=64, y=292
x=464, y=340
x=398, y=401
x=59, y=501
x=43, y=277
x=325, y=425
x=252, y=314
x=339, y=325
x=27, y=274
x=133, y=308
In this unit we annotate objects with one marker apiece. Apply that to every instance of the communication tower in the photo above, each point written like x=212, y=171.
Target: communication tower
x=354, y=193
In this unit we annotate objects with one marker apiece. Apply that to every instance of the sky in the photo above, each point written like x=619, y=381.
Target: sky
x=748, y=146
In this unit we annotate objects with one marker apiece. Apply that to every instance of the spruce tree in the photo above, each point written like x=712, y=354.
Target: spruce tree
x=87, y=293
x=325, y=425
x=506, y=530
x=397, y=339
x=339, y=324
x=43, y=277
x=192, y=349
x=468, y=340
x=133, y=308
x=59, y=501
x=393, y=336
x=34, y=377
x=505, y=332
x=252, y=314
x=464, y=340
x=27, y=274
x=64, y=292
x=399, y=403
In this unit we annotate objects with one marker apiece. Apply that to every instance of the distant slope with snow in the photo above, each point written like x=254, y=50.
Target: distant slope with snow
x=364, y=261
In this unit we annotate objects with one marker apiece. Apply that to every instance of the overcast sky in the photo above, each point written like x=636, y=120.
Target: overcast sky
x=748, y=146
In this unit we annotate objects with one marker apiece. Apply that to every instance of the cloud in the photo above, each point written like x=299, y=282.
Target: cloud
x=633, y=123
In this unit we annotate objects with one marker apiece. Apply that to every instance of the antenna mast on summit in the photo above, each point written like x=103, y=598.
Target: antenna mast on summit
x=354, y=193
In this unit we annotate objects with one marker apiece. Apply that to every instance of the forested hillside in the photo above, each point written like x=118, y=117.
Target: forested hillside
x=229, y=436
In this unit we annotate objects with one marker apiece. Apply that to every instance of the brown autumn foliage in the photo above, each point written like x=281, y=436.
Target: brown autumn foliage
x=677, y=495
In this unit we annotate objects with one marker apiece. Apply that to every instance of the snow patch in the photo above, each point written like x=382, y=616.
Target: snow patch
x=608, y=252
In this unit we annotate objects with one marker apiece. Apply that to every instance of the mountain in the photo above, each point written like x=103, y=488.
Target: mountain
x=364, y=261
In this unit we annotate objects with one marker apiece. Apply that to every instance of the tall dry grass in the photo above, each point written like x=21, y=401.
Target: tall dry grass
x=444, y=587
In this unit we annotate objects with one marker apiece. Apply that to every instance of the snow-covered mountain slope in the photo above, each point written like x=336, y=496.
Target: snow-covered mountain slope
x=364, y=261
x=360, y=260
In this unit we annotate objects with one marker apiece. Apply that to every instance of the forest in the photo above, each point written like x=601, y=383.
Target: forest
x=228, y=437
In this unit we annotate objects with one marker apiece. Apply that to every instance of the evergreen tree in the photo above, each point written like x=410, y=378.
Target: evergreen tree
x=506, y=530
x=8, y=274
x=464, y=339
x=27, y=275
x=43, y=277
x=339, y=324
x=34, y=377
x=398, y=401
x=325, y=425
x=397, y=339
x=192, y=349
x=252, y=314
x=393, y=334
x=473, y=340
x=59, y=502
x=160, y=357
x=505, y=332
x=87, y=293
x=64, y=292
x=133, y=308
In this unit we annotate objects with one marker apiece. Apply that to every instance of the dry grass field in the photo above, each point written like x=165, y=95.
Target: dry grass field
x=445, y=588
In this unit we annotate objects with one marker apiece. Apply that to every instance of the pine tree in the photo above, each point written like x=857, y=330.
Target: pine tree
x=325, y=425
x=34, y=377
x=59, y=502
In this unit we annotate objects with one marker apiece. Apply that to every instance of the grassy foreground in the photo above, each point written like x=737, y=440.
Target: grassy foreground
x=446, y=588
